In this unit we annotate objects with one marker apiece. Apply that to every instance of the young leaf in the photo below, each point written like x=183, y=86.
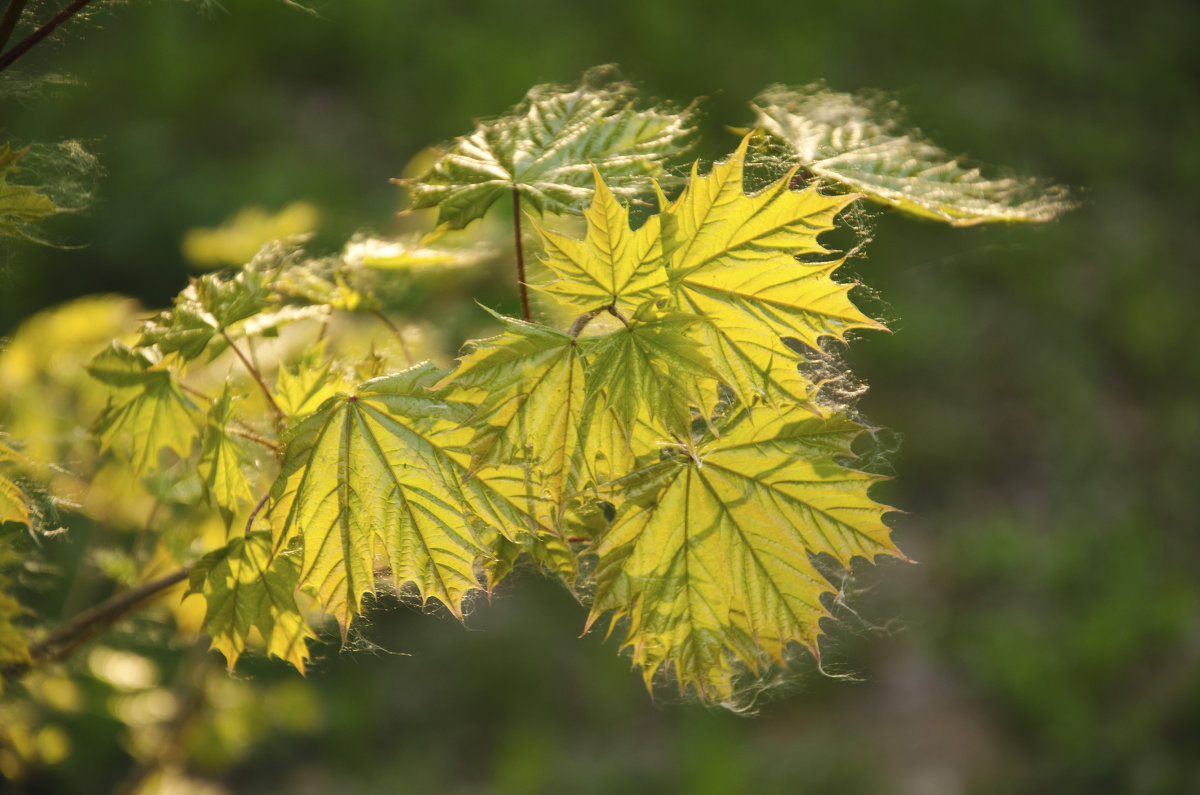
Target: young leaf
x=208, y=305
x=222, y=457
x=530, y=389
x=857, y=143
x=612, y=265
x=146, y=410
x=652, y=371
x=731, y=259
x=249, y=586
x=545, y=148
x=20, y=205
x=381, y=472
x=709, y=556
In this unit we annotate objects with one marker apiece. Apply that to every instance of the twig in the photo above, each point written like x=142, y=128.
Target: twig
x=399, y=336
x=9, y=21
x=257, y=376
x=254, y=437
x=83, y=626
x=520, y=255
x=26, y=44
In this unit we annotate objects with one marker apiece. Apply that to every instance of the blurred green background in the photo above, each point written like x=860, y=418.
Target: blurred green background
x=1044, y=380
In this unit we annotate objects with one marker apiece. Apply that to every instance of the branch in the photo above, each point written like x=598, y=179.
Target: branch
x=67, y=638
x=26, y=44
x=9, y=21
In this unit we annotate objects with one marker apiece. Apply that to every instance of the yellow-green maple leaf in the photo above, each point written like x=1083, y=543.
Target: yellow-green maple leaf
x=731, y=258
x=146, y=412
x=249, y=585
x=20, y=205
x=222, y=456
x=529, y=386
x=708, y=557
x=613, y=265
x=376, y=478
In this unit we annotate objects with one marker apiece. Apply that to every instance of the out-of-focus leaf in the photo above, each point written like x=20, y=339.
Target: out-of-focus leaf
x=21, y=206
x=14, y=505
x=858, y=143
x=146, y=412
x=236, y=241
x=250, y=586
x=410, y=254
x=545, y=148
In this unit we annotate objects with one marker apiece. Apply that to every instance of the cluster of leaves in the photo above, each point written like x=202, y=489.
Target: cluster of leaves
x=665, y=453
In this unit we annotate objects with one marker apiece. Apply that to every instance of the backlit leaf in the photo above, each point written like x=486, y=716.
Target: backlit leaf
x=731, y=259
x=248, y=586
x=708, y=557
x=612, y=265
x=146, y=412
x=222, y=456
x=14, y=505
x=376, y=478
x=858, y=143
x=545, y=149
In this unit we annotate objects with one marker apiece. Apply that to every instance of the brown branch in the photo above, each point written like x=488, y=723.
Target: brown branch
x=26, y=44
x=254, y=437
x=78, y=630
x=9, y=21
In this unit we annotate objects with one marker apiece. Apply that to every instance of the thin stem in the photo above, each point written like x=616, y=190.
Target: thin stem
x=257, y=376
x=9, y=21
x=254, y=437
x=399, y=336
x=587, y=317
x=582, y=321
x=67, y=638
x=26, y=44
x=254, y=513
x=520, y=255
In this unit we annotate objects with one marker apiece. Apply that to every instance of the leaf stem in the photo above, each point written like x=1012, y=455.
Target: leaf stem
x=520, y=255
x=257, y=376
x=70, y=636
x=395, y=331
x=254, y=513
x=252, y=436
x=9, y=21
x=26, y=44
x=587, y=317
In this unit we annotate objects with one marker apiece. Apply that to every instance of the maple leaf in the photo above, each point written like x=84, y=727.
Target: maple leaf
x=20, y=205
x=545, y=148
x=709, y=555
x=248, y=585
x=731, y=259
x=381, y=472
x=856, y=143
x=222, y=456
x=529, y=386
x=613, y=265
x=146, y=411
x=14, y=505
x=652, y=371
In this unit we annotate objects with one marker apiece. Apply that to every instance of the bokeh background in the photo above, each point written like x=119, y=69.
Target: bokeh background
x=1042, y=388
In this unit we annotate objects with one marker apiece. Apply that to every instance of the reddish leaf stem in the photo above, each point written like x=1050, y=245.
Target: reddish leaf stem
x=257, y=376
x=520, y=256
